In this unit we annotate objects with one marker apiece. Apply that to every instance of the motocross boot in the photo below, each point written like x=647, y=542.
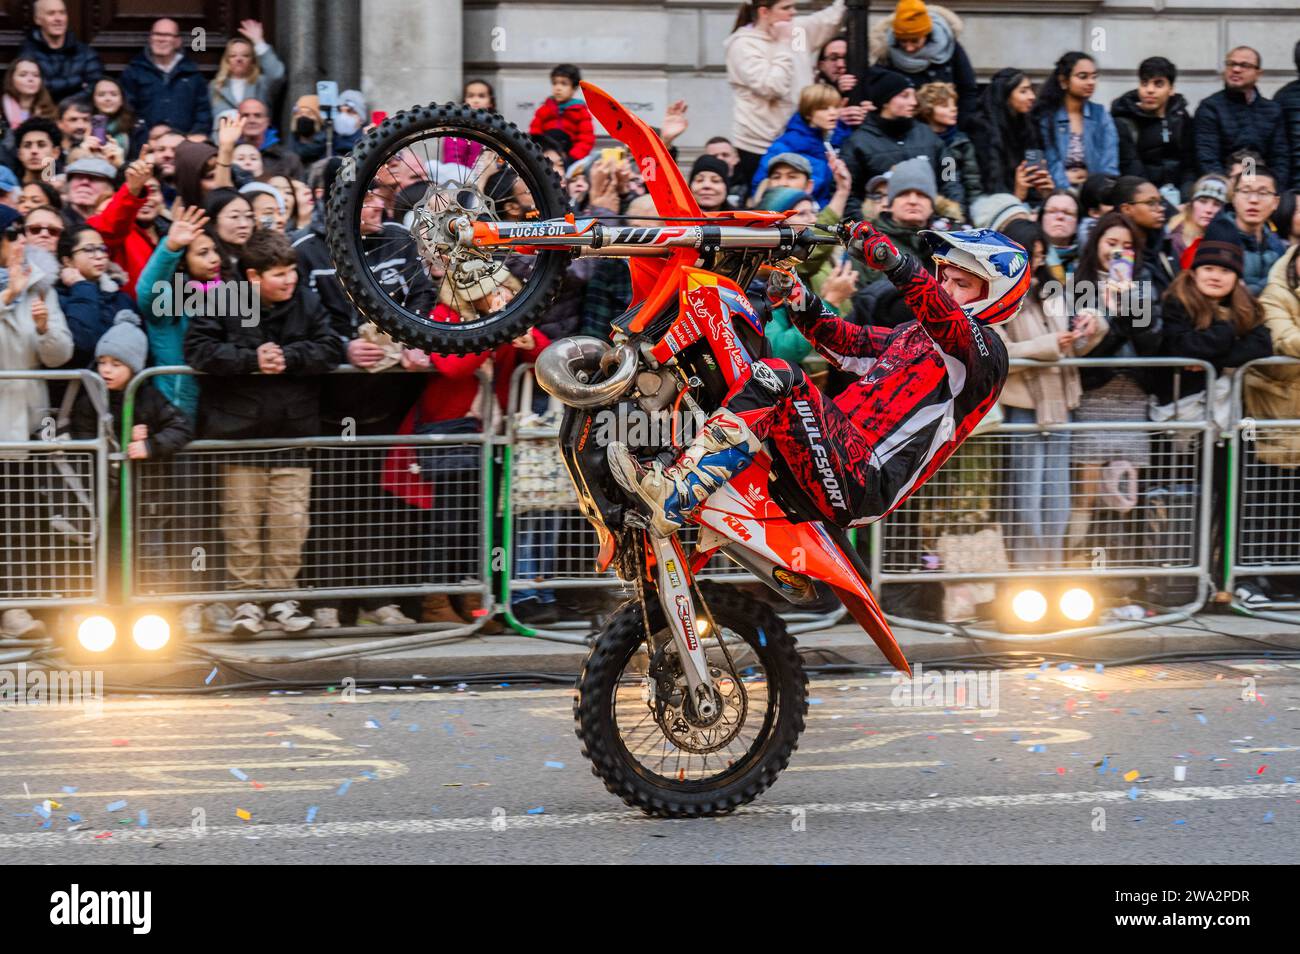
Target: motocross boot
x=723, y=447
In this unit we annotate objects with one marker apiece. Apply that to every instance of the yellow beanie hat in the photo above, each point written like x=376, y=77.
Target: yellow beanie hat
x=911, y=19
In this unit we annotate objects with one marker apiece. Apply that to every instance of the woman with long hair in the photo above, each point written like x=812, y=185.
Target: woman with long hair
x=249, y=69
x=1286, y=220
x=126, y=130
x=767, y=67
x=1079, y=137
x=1111, y=283
x=25, y=94
x=1059, y=218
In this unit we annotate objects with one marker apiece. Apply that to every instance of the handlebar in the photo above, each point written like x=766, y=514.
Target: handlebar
x=590, y=235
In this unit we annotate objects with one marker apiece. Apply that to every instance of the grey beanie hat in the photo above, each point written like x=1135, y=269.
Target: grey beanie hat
x=995, y=210
x=250, y=189
x=912, y=175
x=125, y=341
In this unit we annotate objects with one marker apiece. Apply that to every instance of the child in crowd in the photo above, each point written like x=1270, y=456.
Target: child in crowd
x=290, y=342
x=565, y=112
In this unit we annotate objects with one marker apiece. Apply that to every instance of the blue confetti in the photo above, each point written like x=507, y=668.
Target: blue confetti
x=556, y=765
x=74, y=818
x=1031, y=675
x=212, y=675
x=1180, y=822
x=1105, y=764
x=311, y=813
x=413, y=727
x=372, y=724
x=1043, y=667
x=69, y=790
x=115, y=806
x=239, y=775
x=1099, y=668
x=1133, y=793
x=342, y=789
x=1268, y=818
x=1038, y=748
x=1201, y=719
x=144, y=818
x=814, y=702
x=1288, y=779
x=369, y=774
x=539, y=810
x=41, y=810
x=48, y=823
x=1065, y=667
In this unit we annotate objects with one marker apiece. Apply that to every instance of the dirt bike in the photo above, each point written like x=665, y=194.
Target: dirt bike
x=686, y=673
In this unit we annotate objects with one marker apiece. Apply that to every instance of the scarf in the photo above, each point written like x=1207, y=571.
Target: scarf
x=939, y=47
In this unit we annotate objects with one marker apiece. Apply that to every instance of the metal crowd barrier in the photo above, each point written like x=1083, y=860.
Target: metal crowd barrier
x=977, y=524
x=54, y=500
x=191, y=533
x=1262, y=525
x=558, y=545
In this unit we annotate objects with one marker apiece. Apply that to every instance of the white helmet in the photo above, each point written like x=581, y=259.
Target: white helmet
x=992, y=256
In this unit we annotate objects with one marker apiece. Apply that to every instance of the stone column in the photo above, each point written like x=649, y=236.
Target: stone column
x=410, y=52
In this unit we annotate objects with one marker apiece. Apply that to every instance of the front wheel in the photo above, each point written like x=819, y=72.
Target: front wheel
x=390, y=228
x=642, y=737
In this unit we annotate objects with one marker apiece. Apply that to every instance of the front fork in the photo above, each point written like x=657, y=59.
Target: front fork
x=674, y=581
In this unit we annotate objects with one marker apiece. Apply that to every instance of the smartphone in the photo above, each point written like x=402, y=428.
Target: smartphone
x=327, y=92
x=614, y=153
x=99, y=127
x=1035, y=157
x=1120, y=269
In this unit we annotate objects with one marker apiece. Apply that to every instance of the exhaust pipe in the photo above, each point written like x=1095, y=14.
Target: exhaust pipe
x=566, y=368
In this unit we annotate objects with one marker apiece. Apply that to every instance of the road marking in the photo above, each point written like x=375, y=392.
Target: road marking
x=414, y=826
x=1032, y=735
x=859, y=765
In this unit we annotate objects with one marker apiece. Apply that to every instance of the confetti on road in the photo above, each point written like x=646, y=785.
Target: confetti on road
x=311, y=813
x=555, y=765
x=1180, y=773
x=1133, y=793
x=69, y=790
x=41, y=810
x=115, y=806
x=243, y=813
x=372, y=724
x=1262, y=770
x=1268, y=818
x=144, y=818
x=1130, y=776
x=239, y=775
x=413, y=728
x=342, y=789
x=120, y=742
x=1201, y=719
x=1099, y=668
x=212, y=675
x=1103, y=765
x=369, y=774
x=74, y=818
x=1038, y=748
x=539, y=810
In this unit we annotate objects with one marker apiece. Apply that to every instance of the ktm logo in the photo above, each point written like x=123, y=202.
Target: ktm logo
x=739, y=527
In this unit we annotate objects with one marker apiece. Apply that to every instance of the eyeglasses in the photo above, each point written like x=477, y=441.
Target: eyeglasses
x=33, y=230
x=92, y=250
x=1256, y=193
x=1240, y=65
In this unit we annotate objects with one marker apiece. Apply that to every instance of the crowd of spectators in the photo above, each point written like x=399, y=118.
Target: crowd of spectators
x=117, y=190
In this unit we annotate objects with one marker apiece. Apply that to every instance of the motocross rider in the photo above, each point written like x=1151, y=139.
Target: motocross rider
x=923, y=387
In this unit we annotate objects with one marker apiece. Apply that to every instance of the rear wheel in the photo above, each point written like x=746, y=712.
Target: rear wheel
x=646, y=744
x=388, y=228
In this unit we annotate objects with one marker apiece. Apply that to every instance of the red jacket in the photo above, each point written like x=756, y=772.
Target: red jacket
x=571, y=118
x=128, y=245
x=450, y=393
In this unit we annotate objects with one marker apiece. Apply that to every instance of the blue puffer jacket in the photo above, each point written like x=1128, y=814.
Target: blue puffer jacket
x=1259, y=255
x=179, y=98
x=808, y=142
x=1100, y=142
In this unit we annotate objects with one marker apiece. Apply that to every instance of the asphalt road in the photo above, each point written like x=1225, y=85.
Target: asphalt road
x=495, y=775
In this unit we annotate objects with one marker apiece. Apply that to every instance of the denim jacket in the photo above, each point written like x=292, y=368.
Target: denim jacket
x=1100, y=142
